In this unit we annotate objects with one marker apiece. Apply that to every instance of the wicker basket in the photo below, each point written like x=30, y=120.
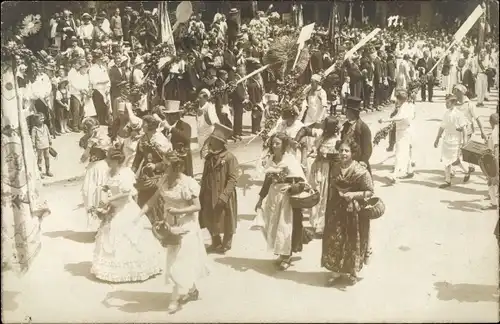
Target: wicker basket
x=373, y=209
x=306, y=199
x=165, y=236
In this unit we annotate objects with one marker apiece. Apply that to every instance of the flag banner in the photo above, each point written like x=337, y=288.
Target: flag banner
x=362, y=42
x=165, y=26
x=467, y=25
x=306, y=33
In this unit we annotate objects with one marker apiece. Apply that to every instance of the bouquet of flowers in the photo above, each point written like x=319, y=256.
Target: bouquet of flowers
x=277, y=177
x=104, y=211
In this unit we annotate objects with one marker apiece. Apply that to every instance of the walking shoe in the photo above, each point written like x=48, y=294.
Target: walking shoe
x=49, y=174
x=445, y=185
x=390, y=148
x=467, y=178
x=489, y=207
x=480, y=105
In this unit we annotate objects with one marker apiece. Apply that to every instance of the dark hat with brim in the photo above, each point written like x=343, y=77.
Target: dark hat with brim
x=221, y=133
x=354, y=103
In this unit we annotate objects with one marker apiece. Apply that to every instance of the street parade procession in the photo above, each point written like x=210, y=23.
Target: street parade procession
x=250, y=161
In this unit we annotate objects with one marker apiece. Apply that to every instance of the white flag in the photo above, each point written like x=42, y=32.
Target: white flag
x=467, y=25
x=165, y=26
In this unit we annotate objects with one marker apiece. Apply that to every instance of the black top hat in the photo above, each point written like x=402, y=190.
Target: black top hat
x=354, y=103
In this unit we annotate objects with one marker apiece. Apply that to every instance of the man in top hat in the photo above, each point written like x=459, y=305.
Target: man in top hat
x=219, y=207
x=179, y=133
x=357, y=130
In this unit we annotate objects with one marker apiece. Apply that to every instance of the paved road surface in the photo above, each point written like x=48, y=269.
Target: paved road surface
x=435, y=256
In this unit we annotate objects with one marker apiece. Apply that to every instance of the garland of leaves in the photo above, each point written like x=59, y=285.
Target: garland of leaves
x=191, y=107
x=412, y=90
x=382, y=133
x=290, y=92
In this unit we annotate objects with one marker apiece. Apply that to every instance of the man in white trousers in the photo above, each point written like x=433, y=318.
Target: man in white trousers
x=480, y=67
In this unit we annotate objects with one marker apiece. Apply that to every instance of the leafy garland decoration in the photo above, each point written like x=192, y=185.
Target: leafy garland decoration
x=412, y=89
x=290, y=92
x=382, y=133
x=190, y=107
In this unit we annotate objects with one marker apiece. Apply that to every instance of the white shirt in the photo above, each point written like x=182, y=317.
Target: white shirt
x=42, y=87
x=106, y=26
x=493, y=139
x=345, y=89
x=99, y=78
x=78, y=82
x=86, y=31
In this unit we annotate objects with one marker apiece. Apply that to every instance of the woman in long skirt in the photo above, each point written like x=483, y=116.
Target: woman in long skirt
x=283, y=229
x=347, y=233
x=186, y=262
x=96, y=143
x=125, y=249
x=326, y=156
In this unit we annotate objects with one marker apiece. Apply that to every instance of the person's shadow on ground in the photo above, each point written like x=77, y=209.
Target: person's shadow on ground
x=268, y=268
x=470, y=293
x=78, y=237
x=137, y=301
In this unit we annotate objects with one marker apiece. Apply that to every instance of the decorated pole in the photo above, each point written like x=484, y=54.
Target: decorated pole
x=461, y=32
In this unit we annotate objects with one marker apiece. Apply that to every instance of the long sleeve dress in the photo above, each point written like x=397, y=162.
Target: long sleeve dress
x=346, y=237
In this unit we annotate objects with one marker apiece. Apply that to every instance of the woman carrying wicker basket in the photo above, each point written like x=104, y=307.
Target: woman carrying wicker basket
x=283, y=228
x=326, y=158
x=347, y=229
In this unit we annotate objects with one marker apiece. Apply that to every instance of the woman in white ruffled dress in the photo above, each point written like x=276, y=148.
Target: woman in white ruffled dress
x=96, y=144
x=125, y=249
x=188, y=261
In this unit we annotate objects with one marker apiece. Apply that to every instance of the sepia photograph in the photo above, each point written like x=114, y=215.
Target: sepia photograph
x=250, y=161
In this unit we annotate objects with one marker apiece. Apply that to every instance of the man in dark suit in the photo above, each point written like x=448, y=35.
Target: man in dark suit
x=426, y=63
x=239, y=99
x=465, y=77
x=179, y=133
x=367, y=71
x=126, y=24
x=119, y=80
x=356, y=129
x=378, y=80
x=221, y=99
